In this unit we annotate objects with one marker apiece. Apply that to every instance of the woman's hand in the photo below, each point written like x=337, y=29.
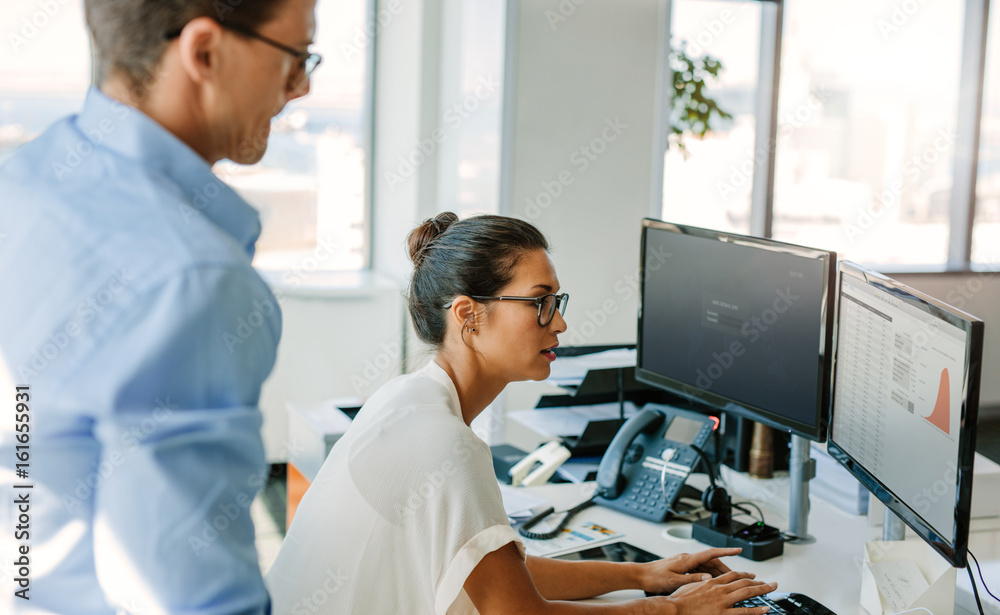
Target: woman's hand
x=719, y=594
x=666, y=575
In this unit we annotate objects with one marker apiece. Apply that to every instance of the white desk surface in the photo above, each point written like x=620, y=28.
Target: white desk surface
x=828, y=570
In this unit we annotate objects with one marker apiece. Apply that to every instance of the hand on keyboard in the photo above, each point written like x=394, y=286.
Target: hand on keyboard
x=663, y=576
x=721, y=593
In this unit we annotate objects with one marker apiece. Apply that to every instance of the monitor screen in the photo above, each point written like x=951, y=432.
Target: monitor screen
x=739, y=323
x=905, y=398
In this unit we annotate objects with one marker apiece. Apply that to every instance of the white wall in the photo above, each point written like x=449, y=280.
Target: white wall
x=582, y=150
x=580, y=134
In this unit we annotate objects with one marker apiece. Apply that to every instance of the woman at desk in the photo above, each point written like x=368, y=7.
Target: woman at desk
x=405, y=515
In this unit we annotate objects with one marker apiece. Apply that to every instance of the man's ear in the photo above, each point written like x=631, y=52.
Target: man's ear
x=200, y=47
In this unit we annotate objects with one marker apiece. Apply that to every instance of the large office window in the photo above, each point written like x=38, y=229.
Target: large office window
x=44, y=69
x=710, y=185
x=310, y=186
x=986, y=232
x=479, y=106
x=866, y=134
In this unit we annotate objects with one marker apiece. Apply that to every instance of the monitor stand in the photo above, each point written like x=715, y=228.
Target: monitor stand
x=801, y=469
x=892, y=526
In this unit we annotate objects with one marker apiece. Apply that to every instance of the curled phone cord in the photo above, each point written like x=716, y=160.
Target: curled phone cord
x=523, y=530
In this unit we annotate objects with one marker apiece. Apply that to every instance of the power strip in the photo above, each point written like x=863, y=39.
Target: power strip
x=758, y=541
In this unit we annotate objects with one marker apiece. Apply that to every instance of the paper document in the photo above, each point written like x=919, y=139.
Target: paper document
x=899, y=583
x=517, y=503
x=568, y=420
x=573, y=538
x=569, y=371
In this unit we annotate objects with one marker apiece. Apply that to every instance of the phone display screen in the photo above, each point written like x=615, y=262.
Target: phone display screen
x=683, y=430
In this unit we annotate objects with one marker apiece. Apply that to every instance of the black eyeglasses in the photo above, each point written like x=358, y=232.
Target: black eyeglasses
x=307, y=61
x=547, y=304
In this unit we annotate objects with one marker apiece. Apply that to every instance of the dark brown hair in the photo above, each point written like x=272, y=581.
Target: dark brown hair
x=453, y=257
x=128, y=35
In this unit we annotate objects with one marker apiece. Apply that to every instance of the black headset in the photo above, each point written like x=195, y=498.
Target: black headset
x=715, y=499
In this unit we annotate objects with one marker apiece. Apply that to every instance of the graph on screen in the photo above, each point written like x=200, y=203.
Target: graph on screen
x=941, y=416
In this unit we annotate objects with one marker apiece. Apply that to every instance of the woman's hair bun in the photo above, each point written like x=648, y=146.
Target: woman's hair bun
x=422, y=237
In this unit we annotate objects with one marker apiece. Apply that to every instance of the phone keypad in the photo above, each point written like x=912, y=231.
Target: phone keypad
x=645, y=497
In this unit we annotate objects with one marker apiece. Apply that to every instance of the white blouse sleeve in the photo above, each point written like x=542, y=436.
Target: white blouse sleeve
x=466, y=560
x=476, y=522
x=438, y=487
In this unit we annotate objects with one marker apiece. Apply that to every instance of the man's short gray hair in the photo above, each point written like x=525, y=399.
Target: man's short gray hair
x=128, y=35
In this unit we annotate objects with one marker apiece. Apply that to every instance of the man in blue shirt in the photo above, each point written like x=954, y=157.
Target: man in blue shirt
x=132, y=325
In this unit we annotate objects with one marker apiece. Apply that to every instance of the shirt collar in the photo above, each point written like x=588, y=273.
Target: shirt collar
x=437, y=373
x=132, y=134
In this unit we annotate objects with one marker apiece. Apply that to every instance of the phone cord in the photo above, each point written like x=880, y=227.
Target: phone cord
x=523, y=530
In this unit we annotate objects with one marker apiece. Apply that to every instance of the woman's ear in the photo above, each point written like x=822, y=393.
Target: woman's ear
x=463, y=314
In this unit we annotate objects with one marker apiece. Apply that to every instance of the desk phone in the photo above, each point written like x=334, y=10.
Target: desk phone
x=649, y=459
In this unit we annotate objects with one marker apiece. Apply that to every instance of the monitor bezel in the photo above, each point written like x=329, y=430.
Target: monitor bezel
x=816, y=431
x=952, y=548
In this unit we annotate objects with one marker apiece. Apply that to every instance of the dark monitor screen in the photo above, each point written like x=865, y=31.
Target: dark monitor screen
x=905, y=402
x=740, y=323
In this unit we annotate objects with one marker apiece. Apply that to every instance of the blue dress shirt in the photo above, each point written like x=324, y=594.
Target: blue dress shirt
x=130, y=309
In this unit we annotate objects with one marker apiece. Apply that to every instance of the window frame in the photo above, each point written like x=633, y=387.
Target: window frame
x=961, y=218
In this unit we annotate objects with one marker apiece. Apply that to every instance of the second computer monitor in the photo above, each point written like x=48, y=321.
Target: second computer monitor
x=905, y=402
x=740, y=323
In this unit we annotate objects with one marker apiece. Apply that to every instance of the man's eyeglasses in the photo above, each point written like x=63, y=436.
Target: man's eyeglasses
x=547, y=304
x=307, y=62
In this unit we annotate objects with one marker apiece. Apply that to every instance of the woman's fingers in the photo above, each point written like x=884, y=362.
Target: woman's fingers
x=746, y=589
x=731, y=576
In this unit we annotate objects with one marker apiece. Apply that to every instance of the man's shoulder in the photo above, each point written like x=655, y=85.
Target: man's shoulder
x=107, y=207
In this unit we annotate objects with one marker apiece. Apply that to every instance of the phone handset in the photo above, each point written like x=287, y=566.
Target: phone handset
x=610, y=481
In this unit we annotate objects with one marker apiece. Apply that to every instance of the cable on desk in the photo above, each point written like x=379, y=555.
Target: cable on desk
x=785, y=537
x=980, y=569
x=739, y=506
x=974, y=590
x=523, y=530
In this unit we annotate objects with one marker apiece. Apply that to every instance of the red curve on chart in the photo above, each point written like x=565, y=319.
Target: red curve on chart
x=941, y=417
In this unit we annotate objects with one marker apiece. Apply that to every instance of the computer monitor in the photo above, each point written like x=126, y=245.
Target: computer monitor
x=740, y=323
x=905, y=402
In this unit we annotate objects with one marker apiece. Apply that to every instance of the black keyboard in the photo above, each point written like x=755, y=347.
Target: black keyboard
x=792, y=604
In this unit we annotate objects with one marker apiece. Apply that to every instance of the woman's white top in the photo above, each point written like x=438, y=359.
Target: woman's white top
x=401, y=512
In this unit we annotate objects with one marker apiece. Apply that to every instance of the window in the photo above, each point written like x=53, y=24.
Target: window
x=44, y=69
x=867, y=128
x=710, y=186
x=309, y=187
x=986, y=232
x=482, y=63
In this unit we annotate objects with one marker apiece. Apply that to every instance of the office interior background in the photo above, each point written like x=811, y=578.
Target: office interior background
x=871, y=128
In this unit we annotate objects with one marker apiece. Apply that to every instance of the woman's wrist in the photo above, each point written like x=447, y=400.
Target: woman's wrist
x=662, y=605
x=637, y=575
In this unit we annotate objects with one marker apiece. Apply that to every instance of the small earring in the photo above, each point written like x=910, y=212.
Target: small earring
x=473, y=330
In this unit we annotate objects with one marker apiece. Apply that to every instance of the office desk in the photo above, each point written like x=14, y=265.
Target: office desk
x=828, y=570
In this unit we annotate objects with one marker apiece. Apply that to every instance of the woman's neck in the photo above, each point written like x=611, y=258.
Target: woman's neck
x=476, y=387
